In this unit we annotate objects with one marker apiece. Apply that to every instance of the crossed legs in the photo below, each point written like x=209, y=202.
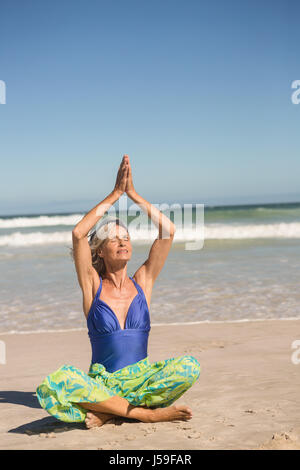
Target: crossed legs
x=164, y=388
x=101, y=412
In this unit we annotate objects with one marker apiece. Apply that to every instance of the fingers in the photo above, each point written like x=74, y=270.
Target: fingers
x=126, y=164
x=123, y=162
x=123, y=166
x=123, y=169
x=126, y=159
x=124, y=173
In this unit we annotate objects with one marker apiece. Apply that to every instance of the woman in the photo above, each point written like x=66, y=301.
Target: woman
x=121, y=380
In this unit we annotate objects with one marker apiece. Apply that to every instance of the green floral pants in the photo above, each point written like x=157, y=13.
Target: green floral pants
x=143, y=384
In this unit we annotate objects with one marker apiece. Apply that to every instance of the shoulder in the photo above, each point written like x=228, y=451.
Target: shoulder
x=140, y=277
x=145, y=283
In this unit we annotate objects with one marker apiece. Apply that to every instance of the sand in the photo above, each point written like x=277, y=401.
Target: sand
x=247, y=396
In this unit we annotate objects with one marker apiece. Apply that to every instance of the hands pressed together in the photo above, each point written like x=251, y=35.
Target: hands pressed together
x=124, y=182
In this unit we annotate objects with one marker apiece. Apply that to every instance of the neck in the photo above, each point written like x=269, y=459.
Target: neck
x=116, y=277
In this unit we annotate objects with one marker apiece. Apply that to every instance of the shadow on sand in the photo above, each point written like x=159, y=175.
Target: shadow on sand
x=48, y=424
x=20, y=398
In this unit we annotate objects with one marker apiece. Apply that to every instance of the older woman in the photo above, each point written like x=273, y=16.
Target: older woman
x=121, y=380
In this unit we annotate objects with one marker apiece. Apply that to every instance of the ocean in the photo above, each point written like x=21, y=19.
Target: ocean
x=247, y=268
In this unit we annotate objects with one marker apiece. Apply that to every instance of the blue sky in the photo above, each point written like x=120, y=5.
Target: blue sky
x=197, y=93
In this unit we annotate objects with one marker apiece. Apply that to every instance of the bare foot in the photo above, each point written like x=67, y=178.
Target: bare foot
x=95, y=419
x=171, y=413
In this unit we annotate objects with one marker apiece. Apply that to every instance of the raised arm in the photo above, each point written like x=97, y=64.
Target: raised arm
x=160, y=248
x=81, y=250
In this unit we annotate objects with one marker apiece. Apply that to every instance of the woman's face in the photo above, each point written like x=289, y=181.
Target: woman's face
x=117, y=245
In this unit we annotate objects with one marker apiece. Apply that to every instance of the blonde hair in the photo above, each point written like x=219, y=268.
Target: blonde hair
x=97, y=238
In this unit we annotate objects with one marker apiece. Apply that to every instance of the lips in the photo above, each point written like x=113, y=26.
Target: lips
x=122, y=251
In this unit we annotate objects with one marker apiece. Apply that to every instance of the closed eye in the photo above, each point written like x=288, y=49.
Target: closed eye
x=116, y=239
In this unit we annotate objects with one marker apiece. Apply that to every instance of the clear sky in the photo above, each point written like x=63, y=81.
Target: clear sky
x=197, y=93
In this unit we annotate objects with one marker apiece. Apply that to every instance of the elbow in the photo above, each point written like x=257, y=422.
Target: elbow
x=76, y=234
x=172, y=230
x=167, y=231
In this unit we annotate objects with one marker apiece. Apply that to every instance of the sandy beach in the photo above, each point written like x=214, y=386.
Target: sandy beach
x=247, y=396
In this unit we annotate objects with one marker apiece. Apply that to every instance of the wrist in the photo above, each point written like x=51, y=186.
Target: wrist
x=131, y=193
x=117, y=193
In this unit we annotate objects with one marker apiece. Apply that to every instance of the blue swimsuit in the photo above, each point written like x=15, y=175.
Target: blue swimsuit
x=113, y=346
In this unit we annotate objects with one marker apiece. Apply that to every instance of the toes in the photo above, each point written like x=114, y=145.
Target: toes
x=89, y=420
x=186, y=415
x=188, y=411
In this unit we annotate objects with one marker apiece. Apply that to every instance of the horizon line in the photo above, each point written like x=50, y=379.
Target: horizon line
x=192, y=203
